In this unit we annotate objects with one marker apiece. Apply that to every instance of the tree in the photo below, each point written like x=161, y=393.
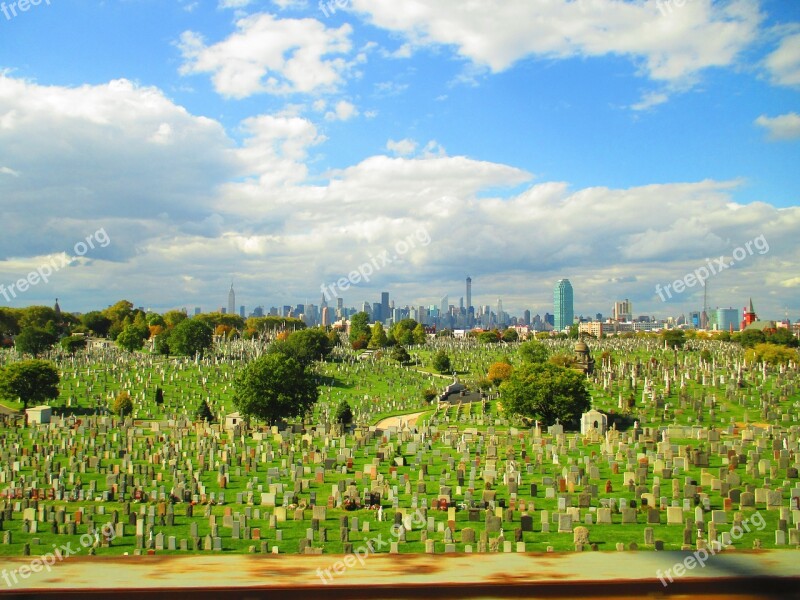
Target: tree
x=533, y=352
x=401, y=355
x=344, y=414
x=308, y=345
x=378, y=339
x=96, y=322
x=782, y=337
x=489, y=337
x=73, y=343
x=420, y=337
x=190, y=337
x=674, y=338
x=403, y=331
x=29, y=381
x=37, y=316
x=273, y=387
x=563, y=360
x=161, y=343
x=499, y=372
x=159, y=399
x=441, y=362
x=429, y=394
x=173, y=317
x=9, y=321
x=546, y=392
x=203, y=412
x=359, y=329
x=750, y=337
x=34, y=340
x=123, y=404
x=132, y=337
x=772, y=354
x=510, y=335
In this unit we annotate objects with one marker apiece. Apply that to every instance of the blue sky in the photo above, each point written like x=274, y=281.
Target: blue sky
x=619, y=144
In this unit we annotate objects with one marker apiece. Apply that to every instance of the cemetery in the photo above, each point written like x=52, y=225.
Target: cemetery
x=683, y=450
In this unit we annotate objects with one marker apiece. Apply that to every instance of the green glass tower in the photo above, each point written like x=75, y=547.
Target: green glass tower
x=563, y=311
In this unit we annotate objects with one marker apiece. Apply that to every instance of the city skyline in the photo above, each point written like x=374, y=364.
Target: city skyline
x=615, y=143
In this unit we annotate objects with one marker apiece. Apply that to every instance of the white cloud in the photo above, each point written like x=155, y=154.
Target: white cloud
x=223, y=4
x=271, y=55
x=671, y=48
x=405, y=147
x=784, y=63
x=783, y=127
x=649, y=100
x=344, y=111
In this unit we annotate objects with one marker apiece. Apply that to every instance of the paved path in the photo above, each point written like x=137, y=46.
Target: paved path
x=409, y=419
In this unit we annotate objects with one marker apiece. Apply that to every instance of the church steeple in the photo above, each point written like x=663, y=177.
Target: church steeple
x=57, y=309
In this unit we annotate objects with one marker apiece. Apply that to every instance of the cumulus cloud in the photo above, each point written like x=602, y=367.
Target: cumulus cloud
x=783, y=127
x=673, y=48
x=187, y=208
x=784, y=63
x=343, y=111
x=270, y=55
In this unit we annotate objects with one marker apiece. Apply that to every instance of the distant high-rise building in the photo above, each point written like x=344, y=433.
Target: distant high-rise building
x=241, y=311
x=231, y=301
x=526, y=317
x=563, y=307
x=385, y=312
x=197, y=310
x=469, y=293
x=325, y=317
x=623, y=311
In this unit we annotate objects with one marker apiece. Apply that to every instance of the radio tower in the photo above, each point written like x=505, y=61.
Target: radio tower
x=704, y=316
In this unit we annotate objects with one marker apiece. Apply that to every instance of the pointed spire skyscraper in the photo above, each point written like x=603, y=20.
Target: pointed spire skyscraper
x=231, y=301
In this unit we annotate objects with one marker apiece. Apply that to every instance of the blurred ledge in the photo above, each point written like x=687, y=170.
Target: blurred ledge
x=732, y=574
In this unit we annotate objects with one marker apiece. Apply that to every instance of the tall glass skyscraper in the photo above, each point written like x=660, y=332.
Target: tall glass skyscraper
x=562, y=305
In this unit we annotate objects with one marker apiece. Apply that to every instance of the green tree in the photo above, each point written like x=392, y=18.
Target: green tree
x=190, y=337
x=574, y=332
x=159, y=399
x=173, y=317
x=73, y=343
x=132, y=337
x=533, y=351
x=441, y=362
x=563, y=360
x=308, y=345
x=359, y=329
x=750, y=337
x=772, y=354
x=29, y=381
x=401, y=355
x=273, y=387
x=546, y=392
x=203, y=412
x=344, y=414
x=96, y=322
x=37, y=316
x=420, y=337
x=674, y=338
x=429, y=394
x=489, y=337
x=510, y=335
x=123, y=404
x=161, y=343
x=155, y=319
x=378, y=339
x=782, y=337
x=9, y=321
x=403, y=331
x=444, y=333
x=34, y=340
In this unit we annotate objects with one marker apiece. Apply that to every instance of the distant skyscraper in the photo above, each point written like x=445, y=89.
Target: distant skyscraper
x=385, y=312
x=563, y=308
x=241, y=311
x=444, y=304
x=469, y=292
x=231, y=301
x=623, y=311
x=728, y=319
